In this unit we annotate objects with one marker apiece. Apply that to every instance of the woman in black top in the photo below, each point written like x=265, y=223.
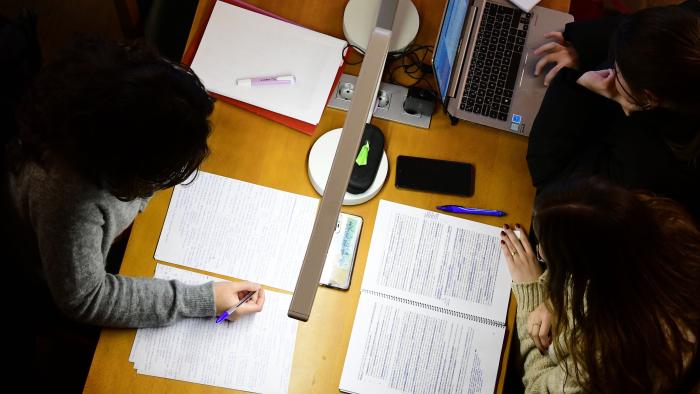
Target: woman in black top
x=623, y=102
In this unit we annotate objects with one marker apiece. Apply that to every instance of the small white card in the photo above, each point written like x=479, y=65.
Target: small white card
x=340, y=259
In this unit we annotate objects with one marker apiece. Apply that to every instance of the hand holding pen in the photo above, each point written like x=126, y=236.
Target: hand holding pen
x=235, y=299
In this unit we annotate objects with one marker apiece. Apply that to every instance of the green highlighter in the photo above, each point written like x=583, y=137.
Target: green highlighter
x=362, y=156
x=369, y=155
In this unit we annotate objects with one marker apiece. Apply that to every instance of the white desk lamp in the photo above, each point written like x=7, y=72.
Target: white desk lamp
x=359, y=20
x=329, y=208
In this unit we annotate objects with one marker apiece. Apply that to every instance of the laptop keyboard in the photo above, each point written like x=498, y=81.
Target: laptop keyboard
x=494, y=66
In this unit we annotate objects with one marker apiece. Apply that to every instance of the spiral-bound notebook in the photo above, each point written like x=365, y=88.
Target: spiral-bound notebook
x=433, y=305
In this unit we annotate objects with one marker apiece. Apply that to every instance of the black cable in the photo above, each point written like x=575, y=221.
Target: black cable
x=357, y=49
x=412, y=60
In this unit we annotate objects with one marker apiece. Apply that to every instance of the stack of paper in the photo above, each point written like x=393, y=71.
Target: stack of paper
x=253, y=353
x=240, y=43
x=238, y=229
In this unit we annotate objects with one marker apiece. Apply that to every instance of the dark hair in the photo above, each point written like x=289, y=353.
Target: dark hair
x=658, y=49
x=120, y=114
x=623, y=270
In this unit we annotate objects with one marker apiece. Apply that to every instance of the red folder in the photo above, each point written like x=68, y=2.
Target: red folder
x=187, y=58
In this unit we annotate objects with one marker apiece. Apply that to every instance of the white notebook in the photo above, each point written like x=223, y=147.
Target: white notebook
x=433, y=306
x=239, y=43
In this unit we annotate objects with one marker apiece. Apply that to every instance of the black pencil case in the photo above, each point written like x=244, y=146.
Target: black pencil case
x=363, y=175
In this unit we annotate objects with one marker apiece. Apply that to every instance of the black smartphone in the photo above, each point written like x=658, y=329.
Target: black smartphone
x=439, y=176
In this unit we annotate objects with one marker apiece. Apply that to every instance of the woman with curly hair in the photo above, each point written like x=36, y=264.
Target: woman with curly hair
x=104, y=127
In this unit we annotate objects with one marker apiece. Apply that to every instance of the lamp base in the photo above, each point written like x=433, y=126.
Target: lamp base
x=319, y=166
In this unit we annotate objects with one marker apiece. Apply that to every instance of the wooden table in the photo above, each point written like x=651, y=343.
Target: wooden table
x=251, y=148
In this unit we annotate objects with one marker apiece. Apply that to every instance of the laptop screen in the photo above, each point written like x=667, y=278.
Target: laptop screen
x=448, y=43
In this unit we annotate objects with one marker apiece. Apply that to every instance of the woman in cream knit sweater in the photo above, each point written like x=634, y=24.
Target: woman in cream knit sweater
x=620, y=292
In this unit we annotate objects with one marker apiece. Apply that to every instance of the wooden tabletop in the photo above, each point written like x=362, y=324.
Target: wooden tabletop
x=251, y=148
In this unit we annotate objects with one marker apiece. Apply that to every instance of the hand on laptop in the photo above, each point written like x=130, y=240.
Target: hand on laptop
x=603, y=83
x=557, y=51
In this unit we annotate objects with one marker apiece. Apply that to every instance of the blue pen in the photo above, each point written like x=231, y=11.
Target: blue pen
x=233, y=309
x=473, y=211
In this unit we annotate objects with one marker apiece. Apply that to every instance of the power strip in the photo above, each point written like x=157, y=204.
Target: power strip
x=390, y=99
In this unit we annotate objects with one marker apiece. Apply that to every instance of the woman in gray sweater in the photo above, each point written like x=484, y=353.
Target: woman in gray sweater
x=104, y=127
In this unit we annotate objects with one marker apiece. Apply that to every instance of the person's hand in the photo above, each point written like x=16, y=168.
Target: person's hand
x=603, y=83
x=522, y=261
x=539, y=324
x=556, y=51
x=229, y=294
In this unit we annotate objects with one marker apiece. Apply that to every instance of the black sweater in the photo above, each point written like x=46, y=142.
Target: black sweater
x=580, y=133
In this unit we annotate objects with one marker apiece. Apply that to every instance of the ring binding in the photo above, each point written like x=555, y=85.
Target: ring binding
x=440, y=309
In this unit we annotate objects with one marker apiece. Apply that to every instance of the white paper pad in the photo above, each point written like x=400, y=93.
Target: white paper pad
x=238, y=44
x=253, y=353
x=238, y=229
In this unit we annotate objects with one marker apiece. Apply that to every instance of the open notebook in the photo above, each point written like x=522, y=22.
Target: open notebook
x=433, y=305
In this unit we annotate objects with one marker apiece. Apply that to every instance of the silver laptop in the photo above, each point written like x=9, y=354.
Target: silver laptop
x=484, y=65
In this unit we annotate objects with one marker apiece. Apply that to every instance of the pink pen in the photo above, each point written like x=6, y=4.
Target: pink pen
x=261, y=81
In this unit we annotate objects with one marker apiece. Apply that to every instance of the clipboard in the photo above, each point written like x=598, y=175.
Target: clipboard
x=190, y=52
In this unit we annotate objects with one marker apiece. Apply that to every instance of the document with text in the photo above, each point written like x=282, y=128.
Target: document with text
x=238, y=229
x=432, y=311
x=254, y=353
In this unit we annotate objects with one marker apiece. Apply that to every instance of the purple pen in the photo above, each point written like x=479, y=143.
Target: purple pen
x=261, y=81
x=473, y=211
x=230, y=311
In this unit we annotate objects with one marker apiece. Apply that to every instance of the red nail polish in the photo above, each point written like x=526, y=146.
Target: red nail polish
x=503, y=242
x=503, y=233
x=506, y=226
x=517, y=225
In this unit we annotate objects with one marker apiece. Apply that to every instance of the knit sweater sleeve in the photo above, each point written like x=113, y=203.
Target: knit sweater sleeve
x=542, y=373
x=72, y=240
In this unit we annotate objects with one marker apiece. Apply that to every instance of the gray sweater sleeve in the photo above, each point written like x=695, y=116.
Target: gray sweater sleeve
x=73, y=235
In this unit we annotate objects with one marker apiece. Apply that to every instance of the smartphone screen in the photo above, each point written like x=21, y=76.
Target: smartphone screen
x=439, y=176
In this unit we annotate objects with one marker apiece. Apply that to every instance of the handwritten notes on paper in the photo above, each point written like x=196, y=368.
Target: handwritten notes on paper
x=238, y=229
x=254, y=353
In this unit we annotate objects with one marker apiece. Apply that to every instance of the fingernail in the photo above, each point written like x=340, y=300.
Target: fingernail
x=517, y=225
x=546, y=84
x=503, y=233
x=503, y=242
x=506, y=226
